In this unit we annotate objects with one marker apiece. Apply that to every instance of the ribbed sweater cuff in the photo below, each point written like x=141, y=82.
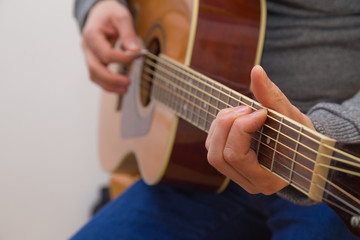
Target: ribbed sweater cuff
x=335, y=121
x=294, y=196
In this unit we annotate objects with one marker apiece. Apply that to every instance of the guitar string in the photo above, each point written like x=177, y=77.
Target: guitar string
x=192, y=75
x=335, y=186
x=304, y=167
x=299, y=187
x=324, y=155
x=320, y=143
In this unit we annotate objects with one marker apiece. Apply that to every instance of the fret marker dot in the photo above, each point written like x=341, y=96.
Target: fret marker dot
x=268, y=140
x=204, y=105
x=185, y=107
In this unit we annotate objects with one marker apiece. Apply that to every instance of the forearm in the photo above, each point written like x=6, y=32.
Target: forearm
x=83, y=7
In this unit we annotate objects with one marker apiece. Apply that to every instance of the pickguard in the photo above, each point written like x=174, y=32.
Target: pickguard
x=136, y=118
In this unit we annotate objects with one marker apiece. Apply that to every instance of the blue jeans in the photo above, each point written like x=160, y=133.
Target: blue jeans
x=160, y=212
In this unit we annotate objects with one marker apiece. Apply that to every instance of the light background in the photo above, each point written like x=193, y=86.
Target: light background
x=49, y=169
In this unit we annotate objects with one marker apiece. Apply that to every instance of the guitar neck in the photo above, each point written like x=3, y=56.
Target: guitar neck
x=290, y=150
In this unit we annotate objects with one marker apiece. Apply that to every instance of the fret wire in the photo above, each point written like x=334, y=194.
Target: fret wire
x=275, y=146
x=185, y=107
x=305, y=135
x=228, y=100
x=294, y=156
x=172, y=100
x=261, y=134
x=300, y=133
x=179, y=107
x=198, y=109
x=202, y=97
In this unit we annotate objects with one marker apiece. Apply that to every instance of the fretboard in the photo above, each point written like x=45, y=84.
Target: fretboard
x=283, y=146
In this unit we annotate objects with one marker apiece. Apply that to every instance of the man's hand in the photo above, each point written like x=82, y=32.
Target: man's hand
x=107, y=21
x=228, y=141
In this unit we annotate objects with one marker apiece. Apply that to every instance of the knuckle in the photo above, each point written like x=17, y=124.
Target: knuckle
x=107, y=89
x=212, y=159
x=267, y=187
x=207, y=144
x=268, y=190
x=121, y=16
x=92, y=71
x=229, y=155
x=87, y=34
x=223, y=112
x=224, y=119
x=105, y=57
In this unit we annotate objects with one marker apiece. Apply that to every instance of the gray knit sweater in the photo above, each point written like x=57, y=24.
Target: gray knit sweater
x=312, y=52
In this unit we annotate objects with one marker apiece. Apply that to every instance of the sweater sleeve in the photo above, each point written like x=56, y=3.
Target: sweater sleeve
x=83, y=7
x=338, y=121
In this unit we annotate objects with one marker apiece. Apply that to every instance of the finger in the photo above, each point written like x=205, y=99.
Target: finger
x=239, y=155
x=213, y=125
x=103, y=49
x=221, y=128
x=266, y=92
x=239, y=139
x=270, y=96
x=233, y=174
x=102, y=75
x=129, y=39
x=209, y=136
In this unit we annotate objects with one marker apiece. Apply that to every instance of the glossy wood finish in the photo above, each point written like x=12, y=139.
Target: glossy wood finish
x=226, y=38
x=226, y=41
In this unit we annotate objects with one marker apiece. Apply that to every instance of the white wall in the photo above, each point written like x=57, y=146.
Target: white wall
x=49, y=170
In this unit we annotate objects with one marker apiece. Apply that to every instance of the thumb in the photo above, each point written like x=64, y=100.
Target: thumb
x=270, y=96
x=125, y=28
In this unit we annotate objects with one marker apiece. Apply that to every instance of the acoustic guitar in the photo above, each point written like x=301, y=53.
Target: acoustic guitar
x=198, y=61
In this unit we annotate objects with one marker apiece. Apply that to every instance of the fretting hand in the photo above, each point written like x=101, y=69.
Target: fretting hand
x=228, y=141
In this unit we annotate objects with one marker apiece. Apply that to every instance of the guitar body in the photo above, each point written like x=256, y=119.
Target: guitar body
x=140, y=134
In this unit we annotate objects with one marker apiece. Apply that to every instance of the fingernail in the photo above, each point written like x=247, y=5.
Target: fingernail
x=132, y=45
x=260, y=111
x=241, y=109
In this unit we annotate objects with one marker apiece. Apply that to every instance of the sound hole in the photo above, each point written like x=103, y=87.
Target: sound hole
x=148, y=72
